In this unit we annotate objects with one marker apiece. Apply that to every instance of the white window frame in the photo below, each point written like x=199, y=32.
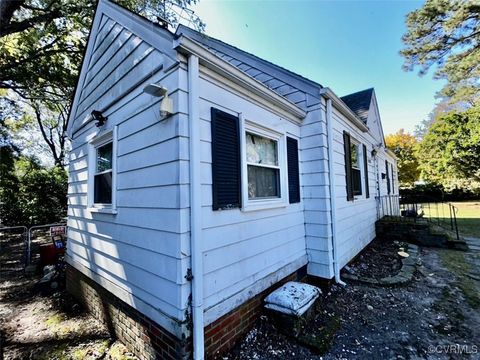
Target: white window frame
x=280, y=138
x=97, y=141
x=361, y=167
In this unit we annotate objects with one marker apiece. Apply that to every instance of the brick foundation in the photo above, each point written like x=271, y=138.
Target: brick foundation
x=141, y=335
x=148, y=340
x=223, y=333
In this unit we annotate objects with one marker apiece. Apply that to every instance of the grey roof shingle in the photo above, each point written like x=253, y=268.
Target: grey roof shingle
x=284, y=82
x=359, y=103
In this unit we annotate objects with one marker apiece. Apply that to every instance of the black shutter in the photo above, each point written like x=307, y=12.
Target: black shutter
x=293, y=173
x=365, y=164
x=388, y=177
x=348, y=165
x=226, y=172
x=393, y=181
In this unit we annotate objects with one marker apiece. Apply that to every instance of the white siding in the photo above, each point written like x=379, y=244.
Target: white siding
x=316, y=195
x=143, y=249
x=244, y=252
x=355, y=219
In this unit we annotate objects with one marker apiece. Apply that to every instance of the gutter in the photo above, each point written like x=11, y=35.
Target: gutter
x=343, y=108
x=331, y=178
x=187, y=46
x=196, y=253
x=391, y=153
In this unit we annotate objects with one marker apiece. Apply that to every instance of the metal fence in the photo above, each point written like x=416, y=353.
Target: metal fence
x=30, y=242
x=419, y=208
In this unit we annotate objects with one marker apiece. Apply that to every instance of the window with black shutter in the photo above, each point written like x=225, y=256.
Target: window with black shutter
x=226, y=173
x=293, y=173
x=365, y=166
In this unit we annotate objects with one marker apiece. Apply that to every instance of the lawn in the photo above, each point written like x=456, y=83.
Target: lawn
x=468, y=217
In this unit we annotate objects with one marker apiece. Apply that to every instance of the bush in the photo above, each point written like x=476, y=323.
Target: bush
x=29, y=193
x=430, y=191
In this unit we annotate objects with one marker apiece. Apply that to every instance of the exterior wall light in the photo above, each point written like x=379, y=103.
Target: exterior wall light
x=166, y=105
x=99, y=118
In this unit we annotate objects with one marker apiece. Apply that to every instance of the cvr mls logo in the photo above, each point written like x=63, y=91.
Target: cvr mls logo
x=453, y=349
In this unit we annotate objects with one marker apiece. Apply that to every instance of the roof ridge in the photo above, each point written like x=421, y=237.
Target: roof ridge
x=358, y=92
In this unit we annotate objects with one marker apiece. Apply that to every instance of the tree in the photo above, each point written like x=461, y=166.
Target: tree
x=404, y=145
x=41, y=47
x=450, y=149
x=445, y=34
x=10, y=209
x=30, y=193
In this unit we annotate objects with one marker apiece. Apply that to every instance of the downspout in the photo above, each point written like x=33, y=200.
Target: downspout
x=196, y=255
x=331, y=178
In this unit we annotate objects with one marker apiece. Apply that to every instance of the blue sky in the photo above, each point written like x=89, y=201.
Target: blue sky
x=345, y=45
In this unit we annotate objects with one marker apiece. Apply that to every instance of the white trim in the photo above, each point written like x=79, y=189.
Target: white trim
x=227, y=70
x=196, y=242
x=280, y=138
x=104, y=210
x=332, y=192
x=83, y=71
x=95, y=141
x=344, y=109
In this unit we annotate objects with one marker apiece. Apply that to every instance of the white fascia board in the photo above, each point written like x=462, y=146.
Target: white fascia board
x=102, y=4
x=156, y=37
x=391, y=153
x=344, y=109
x=222, y=67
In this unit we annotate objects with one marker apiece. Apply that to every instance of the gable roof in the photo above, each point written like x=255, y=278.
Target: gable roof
x=114, y=25
x=301, y=91
x=359, y=103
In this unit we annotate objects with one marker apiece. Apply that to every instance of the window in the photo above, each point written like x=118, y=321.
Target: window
x=353, y=166
x=249, y=165
x=101, y=173
x=262, y=167
x=356, y=173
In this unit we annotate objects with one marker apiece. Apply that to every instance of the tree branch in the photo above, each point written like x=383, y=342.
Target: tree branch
x=50, y=144
x=8, y=28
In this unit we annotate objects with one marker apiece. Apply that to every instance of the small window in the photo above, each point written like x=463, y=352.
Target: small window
x=103, y=174
x=356, y=172
x=262, y=167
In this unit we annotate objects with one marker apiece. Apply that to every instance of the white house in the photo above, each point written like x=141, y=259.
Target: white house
x=181, y=220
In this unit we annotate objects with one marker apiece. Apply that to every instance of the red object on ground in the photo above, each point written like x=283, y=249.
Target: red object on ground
x=48, y=254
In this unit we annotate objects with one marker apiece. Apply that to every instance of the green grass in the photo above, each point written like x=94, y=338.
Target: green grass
x=468, y=216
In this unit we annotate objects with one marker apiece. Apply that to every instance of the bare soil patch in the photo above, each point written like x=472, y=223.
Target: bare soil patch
x=378, y=260
x=37, y=322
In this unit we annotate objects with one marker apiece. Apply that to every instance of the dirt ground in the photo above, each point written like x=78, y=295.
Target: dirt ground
x=37, y=322
x=436, y=316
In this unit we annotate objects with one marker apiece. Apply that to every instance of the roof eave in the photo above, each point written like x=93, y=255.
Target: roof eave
x=391, y=153
x=186, y=45
x=344, y=109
